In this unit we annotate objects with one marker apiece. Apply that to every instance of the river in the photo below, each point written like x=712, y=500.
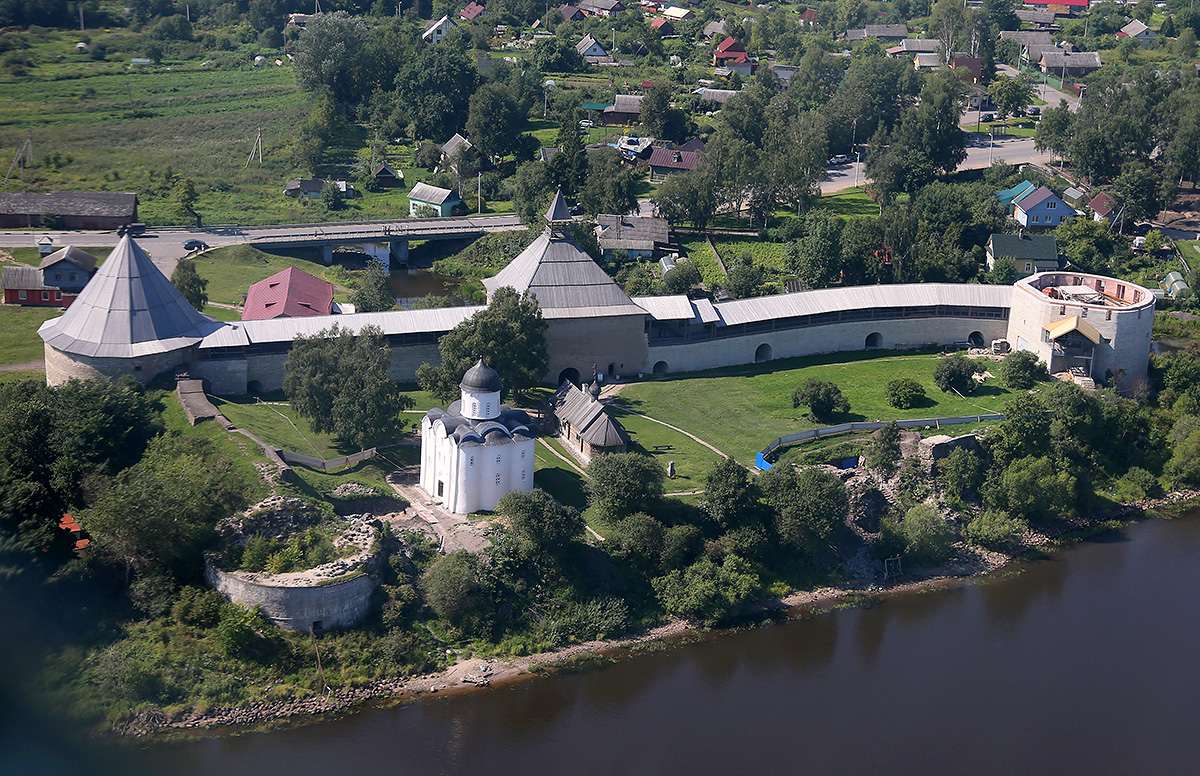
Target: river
x=1084, y=663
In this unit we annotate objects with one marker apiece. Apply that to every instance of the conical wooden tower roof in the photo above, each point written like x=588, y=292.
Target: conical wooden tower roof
x=128, y=309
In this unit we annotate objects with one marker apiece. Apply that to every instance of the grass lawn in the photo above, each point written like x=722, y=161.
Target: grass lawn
x=230, y=271
x=222, y=313
x=692, y=459
x=19, y=341
x=760, y=251
x=279, y=425
x=242, y=451
x=740, y=410
x=1016, y=128
x=849, y=203
x=16, y=377
x=556, y=477
x=698, y=251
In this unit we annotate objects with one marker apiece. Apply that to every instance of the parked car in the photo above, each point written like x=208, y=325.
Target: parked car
x=195, y=245
x=840, y=159
x=1034, y=110
x=587, y=124
x=988, y=117
x=134, y=228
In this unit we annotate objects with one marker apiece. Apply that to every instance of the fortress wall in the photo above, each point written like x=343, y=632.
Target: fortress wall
x=827, y=338
x=578, y=343
x=61, y=367
x=297, y=608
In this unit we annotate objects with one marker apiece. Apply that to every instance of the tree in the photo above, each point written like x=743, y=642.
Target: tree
x=639, y=539
x=1010, y=94
x=338, y=380
x=610, y=186
x=904, y=393
x=509, y=335
x=745, y=277
x=184, y=198
x=541, y=523
x=455, y=589
x=883, y=450
x=433, y=92
x=570, y=165
x=656, y=102
x=995, y=530
x=961, y=474
x=494, y=121
x=163, y=511
x=1022, y=369
x=329, y=56
x=189, y=283
x=1034, y=490
x=683, y=277
x=817, y=259
x=1087, y=244
x=332, y=196
x=957, y=373
x=928, y=539
x=373, y=293
x=624, y=483
x=822, y=399
x=810, y=505
x=931, y=128
x=555, y=55
x=705, y=590
x=730, y=496
x=531, y=188
x=1184, y=466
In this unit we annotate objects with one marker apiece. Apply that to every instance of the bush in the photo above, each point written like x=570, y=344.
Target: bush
x=1022, y=370
x=822, y=399
x=1137, y=484
x=904, y=393
x=928, y=539
x=237, y=630
x=198, y=606
x=995, y=530
x=957, y=373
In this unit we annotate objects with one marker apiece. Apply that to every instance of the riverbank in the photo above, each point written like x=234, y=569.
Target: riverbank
x=473, y=674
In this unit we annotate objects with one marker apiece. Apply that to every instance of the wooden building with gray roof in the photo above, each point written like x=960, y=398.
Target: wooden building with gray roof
x=584, y=422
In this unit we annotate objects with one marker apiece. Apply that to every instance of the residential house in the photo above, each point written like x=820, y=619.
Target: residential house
x=304, y=188
x=1031, y=54
x=1067, y=64
x=639, y=236
x=472, y=12
x=1038, y=18
x=1028, y=37
x=298, y=20
x=1139, y=32
x=1059, y=7
x=68, y=209
x=438, y=29
x=604, y=8
x=454, y=149
x=423, y=196
x=714, y=30
x=677, y=14
x=55, y=282
x=571, y=13
x=662, y=26
x=808, y=18
x=1041, y=209
x=590, y=49
x=732, y=56
x=583, y=421
x=665, y=161
x=291, y=293
x=970, y=69
x=881, y=31
x=1102, y=207
x=1030, y=252
x=625, y=110
x=926, y=62
x=912, y=46
x=386, y=175
x=1010, y=196
x=545, y=154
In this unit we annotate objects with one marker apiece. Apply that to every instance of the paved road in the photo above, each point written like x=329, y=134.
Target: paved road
x=166, y=245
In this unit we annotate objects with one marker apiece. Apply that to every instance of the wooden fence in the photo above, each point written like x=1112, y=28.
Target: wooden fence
x=322, y=464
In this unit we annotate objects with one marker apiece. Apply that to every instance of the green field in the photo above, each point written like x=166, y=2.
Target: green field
x=849, y=203
x=760, y=252
x=558, y=478
x=692, y=459
x=740, y=410
x=19, y=341
x=698, y=251
x=230, y=271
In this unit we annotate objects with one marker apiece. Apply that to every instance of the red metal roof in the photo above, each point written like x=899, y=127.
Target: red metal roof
x=471, y=11
x=675, y=159
x=1101, y=204
x=729, y=44
x=291, y=293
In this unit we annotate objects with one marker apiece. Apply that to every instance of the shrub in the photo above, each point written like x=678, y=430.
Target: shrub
x=995, y=530
x=822, y=399
x=1022, y=370
x=956, y=372
x=928, y=539
x=198, y=606
x=904, y=393
x=1137, y=484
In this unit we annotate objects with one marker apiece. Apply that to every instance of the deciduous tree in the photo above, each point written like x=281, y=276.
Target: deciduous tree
x=821, y=397
x=189, y=283
x=373, y=293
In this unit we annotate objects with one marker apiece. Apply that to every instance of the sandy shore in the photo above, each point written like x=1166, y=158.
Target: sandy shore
x=472, y=674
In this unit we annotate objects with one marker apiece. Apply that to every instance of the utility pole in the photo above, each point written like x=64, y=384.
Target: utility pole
x=81, y=17
x=257, y=147
x=478, y=192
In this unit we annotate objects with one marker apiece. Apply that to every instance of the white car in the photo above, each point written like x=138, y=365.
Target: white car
x=840, y=159
x=586, y=124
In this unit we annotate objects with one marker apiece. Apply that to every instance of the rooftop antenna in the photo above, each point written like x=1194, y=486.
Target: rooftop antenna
x=256, y=148
x=316, y=6
x=23, y=156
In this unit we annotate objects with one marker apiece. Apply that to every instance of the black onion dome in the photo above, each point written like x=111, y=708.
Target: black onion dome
x=481, y=378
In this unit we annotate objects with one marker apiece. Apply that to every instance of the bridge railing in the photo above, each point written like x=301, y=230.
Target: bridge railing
x=385, y=233
x=873, y=425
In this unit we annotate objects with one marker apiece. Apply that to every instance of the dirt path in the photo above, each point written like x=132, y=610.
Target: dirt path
x=24, y=366
x=693, y=437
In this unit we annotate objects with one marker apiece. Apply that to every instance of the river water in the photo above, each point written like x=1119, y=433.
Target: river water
x=1085, y=663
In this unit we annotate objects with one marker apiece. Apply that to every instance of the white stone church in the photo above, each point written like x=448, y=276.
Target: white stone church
x=477, y=449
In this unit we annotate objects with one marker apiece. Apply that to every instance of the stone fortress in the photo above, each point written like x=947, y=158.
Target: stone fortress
x=130, y=320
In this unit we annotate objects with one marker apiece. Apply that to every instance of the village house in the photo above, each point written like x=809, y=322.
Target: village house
x=714, y=30
x=424, y=198
x=1030, y=252
x=572, y=13
x=1041, y=209
x=808, y=17
x=665, y=161
x=1139, y=32
x=881, y=31
x=472, y=12
x=304, y=188
x=602, y=8
x=68, y=209
x=641, y=237
x=1102, y=207
x=590, y=49
x=290, y=293
x=677, y=14
x=1066, y=64
x=436, y=30
x=913, y=46
x=55, y=282
x=626, y=110
x=451, y=150
x=1060, y=7
x=662, y=26
x=386, y=175
x=732, y=55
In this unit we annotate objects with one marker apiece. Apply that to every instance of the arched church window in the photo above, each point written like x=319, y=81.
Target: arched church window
x=474, y=408
x=522, y=475
x=497, y=479
x=487, y=408
x=471, y=461
x=497, y=460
